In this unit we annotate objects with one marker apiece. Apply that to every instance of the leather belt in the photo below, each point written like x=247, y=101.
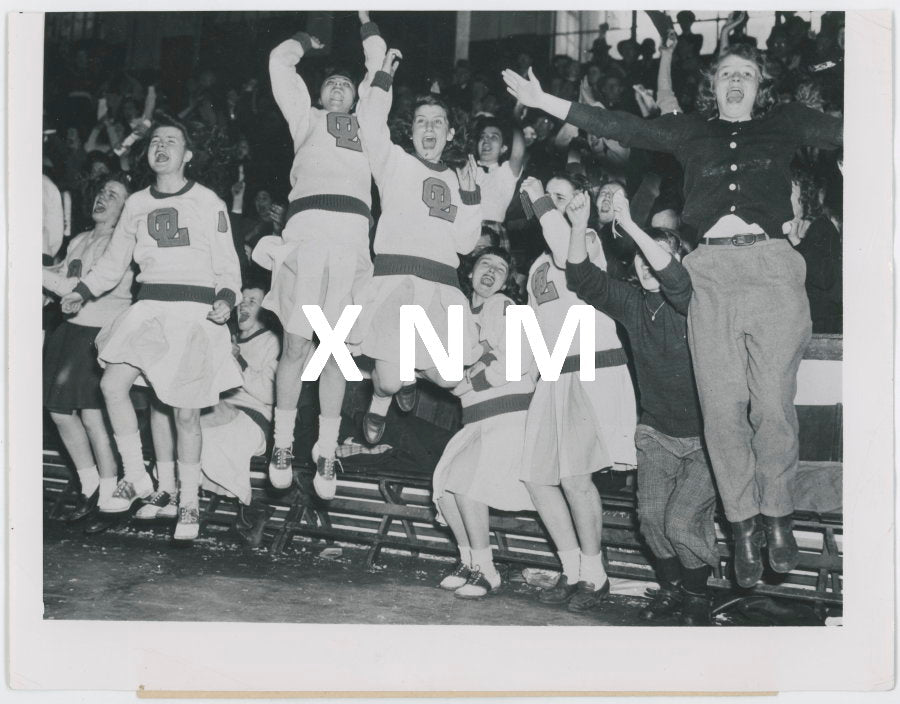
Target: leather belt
x=742, y=240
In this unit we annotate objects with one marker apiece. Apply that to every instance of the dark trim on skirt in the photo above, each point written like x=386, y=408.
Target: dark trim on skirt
x=71, y=373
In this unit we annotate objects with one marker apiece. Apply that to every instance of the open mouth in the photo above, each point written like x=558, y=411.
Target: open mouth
x=243, y=316
x=429, y=142
x=100, y=208
x=161, y=157
x=734, y=95
x=487, y=280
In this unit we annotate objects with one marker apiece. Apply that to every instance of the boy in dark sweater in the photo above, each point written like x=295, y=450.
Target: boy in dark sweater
x=676, y=495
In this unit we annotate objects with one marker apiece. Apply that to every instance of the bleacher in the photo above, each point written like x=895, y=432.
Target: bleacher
x=380, y=507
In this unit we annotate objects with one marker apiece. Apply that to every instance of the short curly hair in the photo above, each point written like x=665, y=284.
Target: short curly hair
x=765, y=96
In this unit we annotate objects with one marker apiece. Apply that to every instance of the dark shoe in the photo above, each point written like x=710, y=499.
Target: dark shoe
x=665, y=602
x=783, y=552
x=696, y=609
x=748, y=541
x=559, y=593
x=373, y=427
x=101, y=524
x=251, y=523
x=406, y=397
x=84, y=507
x=587, y=596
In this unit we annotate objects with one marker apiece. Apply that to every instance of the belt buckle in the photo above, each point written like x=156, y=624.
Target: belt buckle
x=743, y=240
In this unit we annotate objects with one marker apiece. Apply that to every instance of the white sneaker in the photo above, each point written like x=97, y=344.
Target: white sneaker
x=281, y=467
x=325, y=481
x=157, y=501
x=126, y=493
x=188, y=526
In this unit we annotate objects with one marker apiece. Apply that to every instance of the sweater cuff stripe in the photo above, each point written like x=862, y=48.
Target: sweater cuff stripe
x=542, y=206
x=383, y=80
x=471, y=197
x=369, y=29
x=227, y=295
x=304, y=40
x=82, y=290
x=480, y=382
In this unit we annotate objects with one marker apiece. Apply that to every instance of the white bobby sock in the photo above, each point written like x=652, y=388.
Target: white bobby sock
x=571, y=564
x=465, y=555
x=380, y=404
x=592, y=569
x=165, y=475
x=328, y=435
x=132, y=456
x=189, y=484
x=285, y=420
x=483, y=559
x=107, y=487
x=90, y=480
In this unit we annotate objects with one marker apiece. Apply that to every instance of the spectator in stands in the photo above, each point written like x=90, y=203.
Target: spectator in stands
x=498, y=180
x=238, y=427
x=676, y=494
x=754, y=456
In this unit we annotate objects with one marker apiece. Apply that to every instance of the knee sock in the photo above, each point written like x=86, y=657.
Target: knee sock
x=189, y=484
x=328, y=435
x=592, y=569
x=165, y=475
x=284, y=427
x=90, y=479
x=571, y=564
x=107, y=487
x=132, y=457
x=483, y=559
x=380, y=404
x=695, y=579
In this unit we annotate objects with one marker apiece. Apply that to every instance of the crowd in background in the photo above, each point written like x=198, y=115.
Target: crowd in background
x=96, y=115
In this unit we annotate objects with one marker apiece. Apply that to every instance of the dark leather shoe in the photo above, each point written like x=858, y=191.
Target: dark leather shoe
x=373, y=427
x=696, y=609
x=783, y=552
x=748, y=541
x=665, y=602
x=101, y=524
x=251, y=523
x=84, y=507
x=587, y=596
x=560, y=593
x=406, y=397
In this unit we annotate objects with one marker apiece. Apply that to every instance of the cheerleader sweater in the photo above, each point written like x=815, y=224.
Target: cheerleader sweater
x=84, y=250
x=425, y=214
x=181, y=242
x=330, y=170
x=487, y=392
x=258, y=360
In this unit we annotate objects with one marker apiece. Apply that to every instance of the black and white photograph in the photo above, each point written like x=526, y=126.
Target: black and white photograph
x=517, y=325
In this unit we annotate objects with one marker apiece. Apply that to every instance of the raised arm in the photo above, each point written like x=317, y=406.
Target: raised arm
x=517, y=152
x=674, y=281
x=291, y=93
x=374, y=50
x=553, y=224
x=372, y=114
x=665, y=95
x=661, y=135
x=467, y=226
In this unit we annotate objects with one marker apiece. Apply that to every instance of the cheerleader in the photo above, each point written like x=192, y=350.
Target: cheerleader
x=71, y=375
x=430, y=215
x=574, y=428
x=480, y=465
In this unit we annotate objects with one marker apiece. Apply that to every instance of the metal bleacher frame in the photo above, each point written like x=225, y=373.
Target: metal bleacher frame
x=379, y=508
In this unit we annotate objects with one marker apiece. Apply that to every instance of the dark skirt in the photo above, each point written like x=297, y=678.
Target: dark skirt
x=71, y=372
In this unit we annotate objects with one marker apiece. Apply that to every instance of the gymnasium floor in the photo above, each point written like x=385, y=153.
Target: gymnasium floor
x=125, y=574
